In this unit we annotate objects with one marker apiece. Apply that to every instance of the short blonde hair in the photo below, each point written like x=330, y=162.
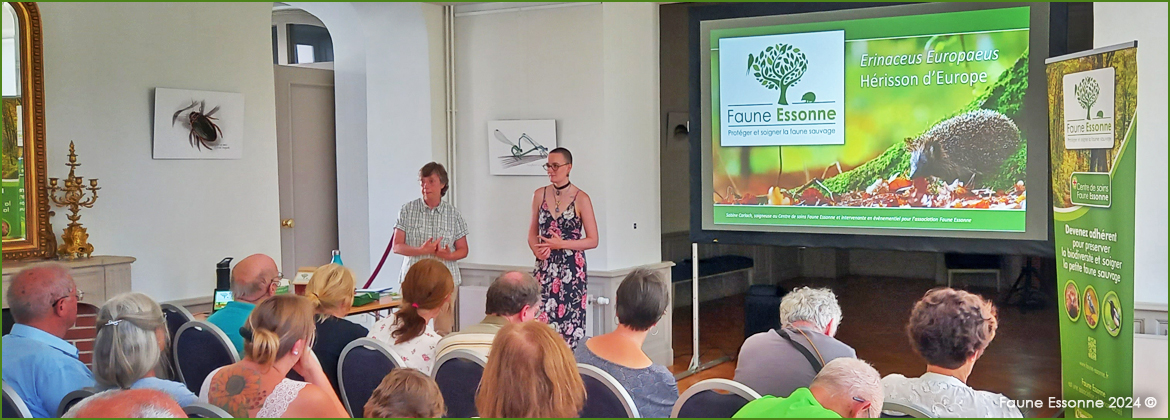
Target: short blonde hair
x=405, y=393
x=331, y=288
x=274, y=327
x=530, y=373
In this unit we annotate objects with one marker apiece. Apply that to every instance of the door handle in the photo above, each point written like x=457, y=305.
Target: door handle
x=287, y=223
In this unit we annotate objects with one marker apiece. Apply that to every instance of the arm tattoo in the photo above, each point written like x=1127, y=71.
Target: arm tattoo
x=238, y=391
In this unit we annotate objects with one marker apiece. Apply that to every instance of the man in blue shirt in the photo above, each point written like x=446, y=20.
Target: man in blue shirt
x=38, y=363
x=254, y=279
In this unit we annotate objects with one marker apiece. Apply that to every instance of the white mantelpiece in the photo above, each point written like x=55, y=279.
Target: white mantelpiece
x=101, y=277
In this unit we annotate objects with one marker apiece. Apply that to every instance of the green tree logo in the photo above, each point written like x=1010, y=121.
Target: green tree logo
x=1087, y=91
x=778, y=67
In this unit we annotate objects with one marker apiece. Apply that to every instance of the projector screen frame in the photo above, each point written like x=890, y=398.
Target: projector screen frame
x=1051, y=19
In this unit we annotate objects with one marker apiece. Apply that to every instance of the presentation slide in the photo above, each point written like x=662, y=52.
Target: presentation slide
x=911, y=122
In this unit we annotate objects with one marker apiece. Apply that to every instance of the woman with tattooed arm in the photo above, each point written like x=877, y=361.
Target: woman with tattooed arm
x=278, y=337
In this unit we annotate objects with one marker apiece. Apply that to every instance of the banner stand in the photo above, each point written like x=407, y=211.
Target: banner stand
x=696, y=366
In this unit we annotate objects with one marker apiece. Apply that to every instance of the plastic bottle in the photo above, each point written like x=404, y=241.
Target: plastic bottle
x=336, y=257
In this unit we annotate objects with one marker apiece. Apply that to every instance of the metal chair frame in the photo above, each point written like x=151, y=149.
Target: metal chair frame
x=368, y=343
x=614, y=386
x=714, y=384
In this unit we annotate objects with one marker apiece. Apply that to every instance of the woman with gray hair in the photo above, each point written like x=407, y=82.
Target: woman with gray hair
x=642, y=299
x=131, y=347
x=779, y=361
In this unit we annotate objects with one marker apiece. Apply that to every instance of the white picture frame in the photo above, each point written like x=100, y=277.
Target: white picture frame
x=176, y=111
x=520, y=147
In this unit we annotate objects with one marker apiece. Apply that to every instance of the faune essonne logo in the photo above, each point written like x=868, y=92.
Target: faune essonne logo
x=779, y=67
x=1087, y=91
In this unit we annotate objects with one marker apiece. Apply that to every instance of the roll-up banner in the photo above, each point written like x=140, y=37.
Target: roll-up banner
x=1092, y=103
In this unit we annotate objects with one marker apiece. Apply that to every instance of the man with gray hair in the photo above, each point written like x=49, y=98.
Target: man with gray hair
x=38, y=363
x=846, y=387
x=777, y=362
x=254, y=279
x=513, y=297
x=129, y=404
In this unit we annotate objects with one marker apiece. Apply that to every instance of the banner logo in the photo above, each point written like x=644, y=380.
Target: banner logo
x=1088, y=109
x=779, y=67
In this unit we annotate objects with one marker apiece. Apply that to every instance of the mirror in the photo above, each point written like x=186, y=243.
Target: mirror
x=24, y=209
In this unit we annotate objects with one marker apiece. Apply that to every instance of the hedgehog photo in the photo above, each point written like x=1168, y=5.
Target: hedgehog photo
x=974, y=143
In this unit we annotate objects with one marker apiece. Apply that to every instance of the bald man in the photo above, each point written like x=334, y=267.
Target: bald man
x=132, y=403
x=513, y=297
x=38, y=363
x=254, y=279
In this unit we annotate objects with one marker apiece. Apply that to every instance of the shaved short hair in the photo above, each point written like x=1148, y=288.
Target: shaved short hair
x=31, y=298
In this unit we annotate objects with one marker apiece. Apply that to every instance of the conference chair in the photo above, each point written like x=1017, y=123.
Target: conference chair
x=458, y=373
x=205, y=411
x=889, y=409
x=176, y=316
x=713, y=398
x=200, y=348
x=604, y=396
x=361, y=367
x=14, y=406
x=71, y=399
x=9, y=321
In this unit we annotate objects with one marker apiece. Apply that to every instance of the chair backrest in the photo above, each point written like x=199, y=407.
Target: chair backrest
x=909, y=410
x=205, y=411
x=361, y=367
x=14, y=406
x=71, y=399
x=605, y=397
x=200, y=347
x=9, y=321
x=458, y=373
x=703, y=399
x=176, y=316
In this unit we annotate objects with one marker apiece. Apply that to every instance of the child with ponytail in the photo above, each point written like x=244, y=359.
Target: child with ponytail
x=331, y=291
x=426, y=292
x=278, y=338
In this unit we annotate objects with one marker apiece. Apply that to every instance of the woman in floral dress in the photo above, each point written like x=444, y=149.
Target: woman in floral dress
x=563, y=227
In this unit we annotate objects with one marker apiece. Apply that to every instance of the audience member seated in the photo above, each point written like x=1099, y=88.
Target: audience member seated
x=950, y=329
x=406, y=393
x=642, y=299
x=845, y=387
x=38, y=363
x=278, y=338
x=512, y=297
x=773, y=363
x=131, y=345
x=426, y=291
x=254, y=279
x=331, y=290
x=530, y=373
x=132, y=404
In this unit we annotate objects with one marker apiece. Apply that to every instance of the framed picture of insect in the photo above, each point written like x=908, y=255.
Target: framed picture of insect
x=195, y=124
x=520, y=147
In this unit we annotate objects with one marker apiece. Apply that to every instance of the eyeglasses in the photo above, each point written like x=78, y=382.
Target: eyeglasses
x=554, y=166
x=80, y=295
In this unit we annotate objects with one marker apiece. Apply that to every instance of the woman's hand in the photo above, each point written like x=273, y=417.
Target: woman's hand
x=554, y=241
x=310, y=368
x=541, y=251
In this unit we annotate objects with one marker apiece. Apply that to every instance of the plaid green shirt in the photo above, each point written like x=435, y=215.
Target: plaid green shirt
x=421, y=223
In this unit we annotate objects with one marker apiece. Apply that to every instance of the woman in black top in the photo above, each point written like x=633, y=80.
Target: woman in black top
x=331, y=289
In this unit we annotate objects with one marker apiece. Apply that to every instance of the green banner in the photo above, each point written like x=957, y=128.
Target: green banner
x=1093, y=118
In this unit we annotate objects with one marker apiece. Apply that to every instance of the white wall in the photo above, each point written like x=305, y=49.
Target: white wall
x=594, y=69
x=102, y=63
x=1115, y=23
x=383, y=87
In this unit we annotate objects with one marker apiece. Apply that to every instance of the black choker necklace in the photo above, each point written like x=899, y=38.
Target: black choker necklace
x=567, y=184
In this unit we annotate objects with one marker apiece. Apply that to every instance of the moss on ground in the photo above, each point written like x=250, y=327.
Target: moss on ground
x=1005, y=96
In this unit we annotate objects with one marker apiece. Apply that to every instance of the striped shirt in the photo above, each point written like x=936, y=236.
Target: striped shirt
x=422, y=223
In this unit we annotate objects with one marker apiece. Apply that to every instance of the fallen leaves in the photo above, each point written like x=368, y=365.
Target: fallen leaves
x=897, y=191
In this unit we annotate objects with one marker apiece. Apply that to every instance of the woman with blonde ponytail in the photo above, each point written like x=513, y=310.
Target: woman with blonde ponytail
x=331, y=291
x=278, y=338
x=130, y=349
x=426, y=292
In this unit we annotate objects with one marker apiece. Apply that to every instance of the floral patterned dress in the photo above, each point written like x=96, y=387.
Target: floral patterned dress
x=562, y=274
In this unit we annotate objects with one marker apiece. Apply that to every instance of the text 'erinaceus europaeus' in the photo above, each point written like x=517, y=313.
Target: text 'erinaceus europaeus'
x=977, y=142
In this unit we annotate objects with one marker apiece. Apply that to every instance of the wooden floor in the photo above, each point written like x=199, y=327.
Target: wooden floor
x=1023, y=362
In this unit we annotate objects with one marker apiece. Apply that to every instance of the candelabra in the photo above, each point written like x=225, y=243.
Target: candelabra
x=76, y=240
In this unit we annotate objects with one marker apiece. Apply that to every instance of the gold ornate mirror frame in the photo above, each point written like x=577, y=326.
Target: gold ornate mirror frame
x=38, y=241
